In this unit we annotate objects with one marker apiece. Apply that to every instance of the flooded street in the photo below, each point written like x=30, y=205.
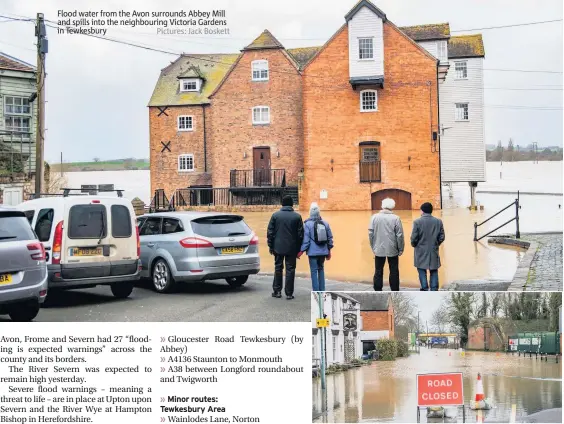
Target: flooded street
x=462, y=259
x=386, y=391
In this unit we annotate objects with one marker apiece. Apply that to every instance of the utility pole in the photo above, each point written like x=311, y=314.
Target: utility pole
x=417, y=337
x=42, y=49
x=535, y=148
x=61, y=164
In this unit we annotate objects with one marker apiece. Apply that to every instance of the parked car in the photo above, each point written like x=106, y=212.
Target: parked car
x=193, y=246
x=89, y=241
x=23, y=270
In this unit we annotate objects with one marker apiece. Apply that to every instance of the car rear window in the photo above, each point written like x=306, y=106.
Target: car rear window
x=14, y=227
x=220, y=226
x=121, y=221
x=87, y=222
x=44, y=224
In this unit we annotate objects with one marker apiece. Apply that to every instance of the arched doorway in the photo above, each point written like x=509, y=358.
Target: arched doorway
x=401, y=197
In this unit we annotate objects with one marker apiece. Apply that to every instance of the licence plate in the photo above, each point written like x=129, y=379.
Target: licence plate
x=232, y=250
x=5, y=278
x=85, y=251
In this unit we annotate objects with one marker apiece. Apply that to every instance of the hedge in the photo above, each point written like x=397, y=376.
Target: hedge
x=387, y=349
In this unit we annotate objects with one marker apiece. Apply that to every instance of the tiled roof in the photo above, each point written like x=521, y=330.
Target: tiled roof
x=466, y=46
x=427, y=32
x=212, y=68
x=302, y=55
x=365, y=3
x=9, y=62
x=265, y=41
x=372, y=301
x=192, y=72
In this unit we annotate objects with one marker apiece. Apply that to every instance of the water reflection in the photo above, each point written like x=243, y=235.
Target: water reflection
x=385, y=391
x=353, y=260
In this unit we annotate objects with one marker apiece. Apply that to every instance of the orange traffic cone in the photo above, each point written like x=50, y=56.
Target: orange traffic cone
x=480, y=401
x=479, y=390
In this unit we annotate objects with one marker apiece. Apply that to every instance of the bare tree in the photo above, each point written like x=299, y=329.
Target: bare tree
x=96, y=160
x=440, y=319
x=55, y=183
x=404, y=310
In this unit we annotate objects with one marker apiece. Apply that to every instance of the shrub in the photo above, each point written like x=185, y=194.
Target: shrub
x=402, y=349
x=387, y=349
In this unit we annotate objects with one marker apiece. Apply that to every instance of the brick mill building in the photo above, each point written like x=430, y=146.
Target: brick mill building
x=345, y=124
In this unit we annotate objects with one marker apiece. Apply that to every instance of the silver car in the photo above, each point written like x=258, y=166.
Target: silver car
x=23, y=270
x=195, y=246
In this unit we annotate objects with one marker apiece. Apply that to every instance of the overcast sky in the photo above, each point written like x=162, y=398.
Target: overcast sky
x=97, y=91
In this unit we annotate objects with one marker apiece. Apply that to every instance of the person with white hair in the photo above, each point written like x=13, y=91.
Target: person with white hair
x=318, y=242
x=385, y=234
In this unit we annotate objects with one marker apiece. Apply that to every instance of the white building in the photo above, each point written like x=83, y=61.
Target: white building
x=461, y=101
x=342, y=337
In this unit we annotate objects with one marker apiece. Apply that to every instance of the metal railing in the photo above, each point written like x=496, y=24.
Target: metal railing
x=263, y=196
x=257, y=178
x=370, y=172
x=160, y=202
x=515, y=218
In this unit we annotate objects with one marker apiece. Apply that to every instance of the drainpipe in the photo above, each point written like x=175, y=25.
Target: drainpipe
x=439, y=137
x=205, y=140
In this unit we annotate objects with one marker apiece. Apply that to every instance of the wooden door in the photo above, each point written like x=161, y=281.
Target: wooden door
x=401, y=197
x=261, y=166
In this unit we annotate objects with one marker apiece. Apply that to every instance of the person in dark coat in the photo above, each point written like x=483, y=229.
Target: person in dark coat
x=285, y=235
x=427, y=235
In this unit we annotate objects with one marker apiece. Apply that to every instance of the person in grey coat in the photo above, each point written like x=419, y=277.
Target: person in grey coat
x=385, y=234
x=427, y=235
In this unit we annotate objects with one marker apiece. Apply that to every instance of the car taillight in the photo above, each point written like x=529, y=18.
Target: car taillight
x=254, y=240
x=34, y=247
x=57, y=243
x=138, y=242
x=194, y=243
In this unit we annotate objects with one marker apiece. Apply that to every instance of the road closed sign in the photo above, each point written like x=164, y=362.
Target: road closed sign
x=440, y=389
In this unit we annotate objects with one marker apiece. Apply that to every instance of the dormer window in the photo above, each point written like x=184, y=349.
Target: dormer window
x=366, y=48
x=368, y=101
x=259, y=70
x=190, y=84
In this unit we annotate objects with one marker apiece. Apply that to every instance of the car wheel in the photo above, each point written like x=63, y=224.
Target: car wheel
x=122, y=290
x=162, y=279
x=24, y=312
x=237, y=281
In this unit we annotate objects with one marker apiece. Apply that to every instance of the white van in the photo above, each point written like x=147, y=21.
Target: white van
x=89, y=240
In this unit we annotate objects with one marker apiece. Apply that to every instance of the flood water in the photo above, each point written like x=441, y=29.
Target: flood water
x=462, y=259
x=386, y=391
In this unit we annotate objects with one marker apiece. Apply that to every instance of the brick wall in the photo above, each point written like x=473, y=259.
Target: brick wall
x=378, y=321
x=232, y=134
x=476, y=339
x=164, y=166
x=334, y=126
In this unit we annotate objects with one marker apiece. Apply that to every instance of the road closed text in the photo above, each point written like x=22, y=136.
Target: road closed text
x=439, y=389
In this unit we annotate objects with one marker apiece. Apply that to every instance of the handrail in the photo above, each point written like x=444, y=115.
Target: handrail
x=515, y=218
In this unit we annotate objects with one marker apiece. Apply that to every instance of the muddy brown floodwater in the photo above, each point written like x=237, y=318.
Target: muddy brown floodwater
x=386, y=391
x=352, y=258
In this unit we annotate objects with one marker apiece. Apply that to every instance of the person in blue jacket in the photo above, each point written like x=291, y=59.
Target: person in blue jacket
x=318, y=242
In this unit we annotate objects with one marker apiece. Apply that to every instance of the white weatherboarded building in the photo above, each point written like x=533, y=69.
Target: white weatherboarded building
x=342, y=340
x=461, y=101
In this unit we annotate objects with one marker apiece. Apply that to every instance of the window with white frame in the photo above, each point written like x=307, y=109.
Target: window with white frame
x=260, y=70
x=185, y=123
x=17, y=115
x=190, y=84
x=335, y=311
x=461, y=70
x=442, y=51
x=365, y=48
x=368, y=101
x=313, y=347
x=261, y=115
x=186, y=163
x=335, y=339
x=461, y=112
